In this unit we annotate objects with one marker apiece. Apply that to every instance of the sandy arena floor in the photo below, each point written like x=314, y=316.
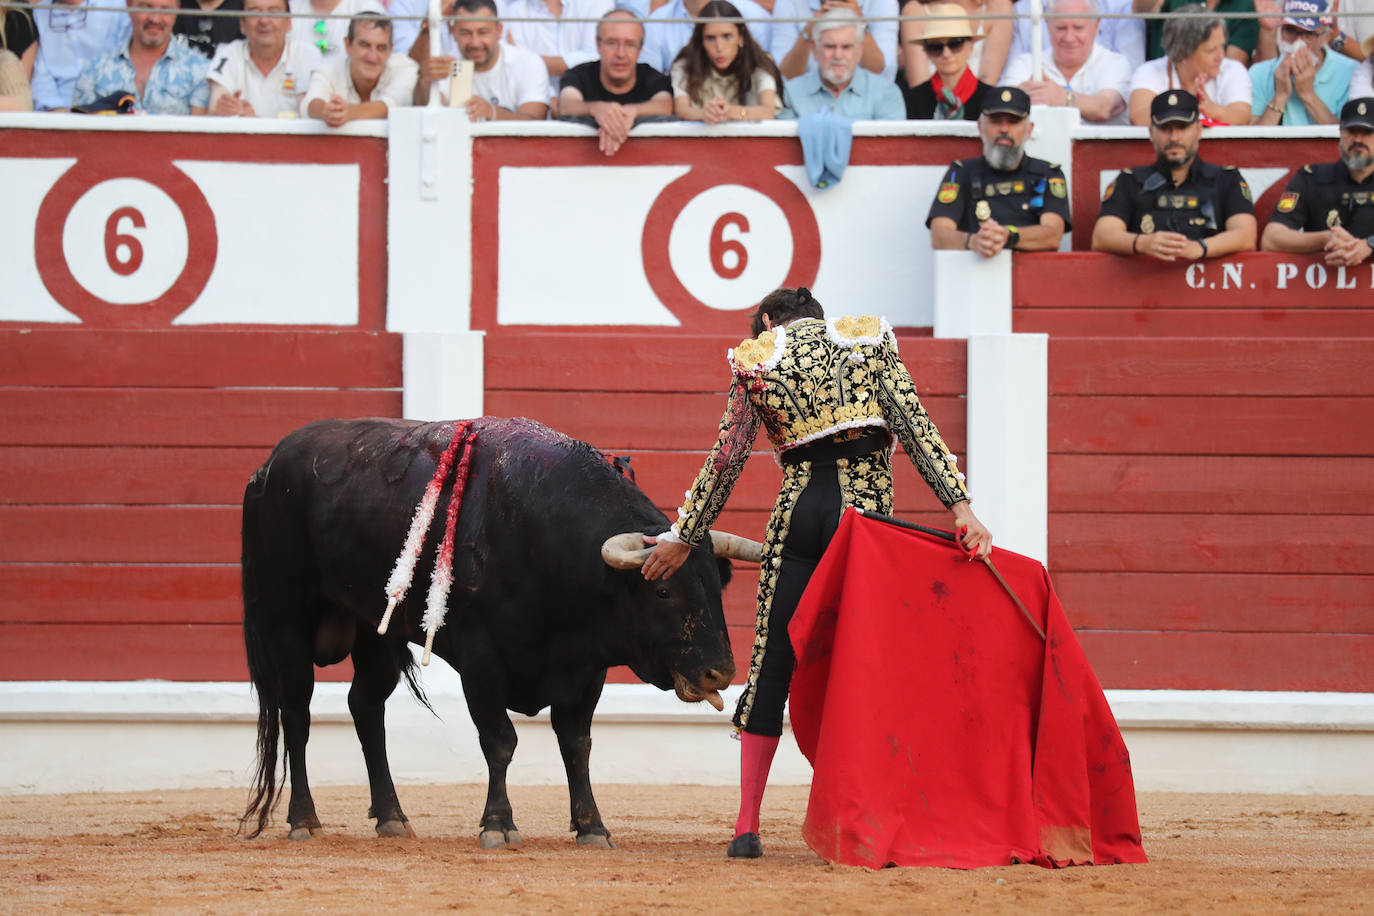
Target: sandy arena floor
x=176, y=852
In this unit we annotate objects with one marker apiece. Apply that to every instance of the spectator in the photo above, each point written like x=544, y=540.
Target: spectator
x=18, y=48
x=410, y=29
x=366, y=81
x=1179, y=207
x=723, y=74
x=264, y=74
x=615, y=91
x=791, y=42
x=953, y=93
x=1242, y=32
x=986, y=63
x=70, y=34
x=1195, y=61
x=1329, y=207
x=164, y=74
x=327, y=35
x=663, y=40
x=1362, y=83
x=1354, y=30
x=1305, y=84
x=508, y=83
x=838, y=82
x=206, y=33
x=561, y=43
x=1004, y=198
x=1078, y=72
x=1125, y=36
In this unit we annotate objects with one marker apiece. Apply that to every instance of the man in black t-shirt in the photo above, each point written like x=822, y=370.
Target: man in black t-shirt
x=207, y=33
x=616, y=90
x=1179, y=206
x=1329, y=206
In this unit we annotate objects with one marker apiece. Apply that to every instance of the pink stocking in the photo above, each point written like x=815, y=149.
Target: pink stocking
x=755, y=759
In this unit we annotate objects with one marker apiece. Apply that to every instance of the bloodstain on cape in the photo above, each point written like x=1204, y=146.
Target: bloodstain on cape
x=943, y=731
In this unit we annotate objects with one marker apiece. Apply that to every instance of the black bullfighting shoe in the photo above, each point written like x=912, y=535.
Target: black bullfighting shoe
x=745, y=846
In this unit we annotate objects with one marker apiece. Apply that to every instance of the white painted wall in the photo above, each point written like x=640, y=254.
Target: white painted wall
x=149, y=735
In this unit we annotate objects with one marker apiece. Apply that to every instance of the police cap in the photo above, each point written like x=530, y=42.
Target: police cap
x=1006, y=100
x=1358, y=113
x=1173, y=106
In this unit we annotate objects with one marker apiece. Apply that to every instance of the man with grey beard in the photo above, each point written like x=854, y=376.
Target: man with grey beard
x=1329, y=207
x=1004, y=198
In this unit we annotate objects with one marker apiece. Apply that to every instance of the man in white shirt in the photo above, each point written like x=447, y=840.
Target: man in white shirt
x=790, y=43
x=327, y=35
x=1078, y=71
x=562, y=44
x=662, y=40
x=1124, y=36
x=509, y=83
x=265, y=73
x=367, y=81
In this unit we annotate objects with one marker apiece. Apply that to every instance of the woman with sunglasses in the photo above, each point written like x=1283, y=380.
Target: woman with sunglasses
x=722, y=74
x=953, y=92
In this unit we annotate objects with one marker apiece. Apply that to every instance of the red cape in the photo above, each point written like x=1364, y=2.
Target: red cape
x=942, y=729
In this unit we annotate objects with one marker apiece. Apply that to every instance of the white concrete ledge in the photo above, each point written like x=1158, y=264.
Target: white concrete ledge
x=221, y=701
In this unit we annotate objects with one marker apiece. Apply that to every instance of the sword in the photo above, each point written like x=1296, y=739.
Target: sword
x=945, y=535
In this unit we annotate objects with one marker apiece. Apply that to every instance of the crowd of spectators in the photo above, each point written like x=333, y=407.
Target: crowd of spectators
x=1267, y=62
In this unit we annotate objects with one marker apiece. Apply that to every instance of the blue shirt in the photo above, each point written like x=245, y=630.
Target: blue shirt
x=176, y=84
x=662, y=40
x=1331, y=83
x=69, y=37
x=868, y=97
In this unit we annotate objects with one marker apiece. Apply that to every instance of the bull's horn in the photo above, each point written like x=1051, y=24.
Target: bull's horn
x=625, y=551
x=736, y=547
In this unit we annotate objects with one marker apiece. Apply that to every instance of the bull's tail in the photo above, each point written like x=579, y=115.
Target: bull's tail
x=266, y=681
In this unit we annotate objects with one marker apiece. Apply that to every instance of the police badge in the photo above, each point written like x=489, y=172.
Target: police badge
x=1333, y=219
x=1147, y=224
x=983, y=210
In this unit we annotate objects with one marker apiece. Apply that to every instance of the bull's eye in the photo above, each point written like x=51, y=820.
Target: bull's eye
x=661, y=591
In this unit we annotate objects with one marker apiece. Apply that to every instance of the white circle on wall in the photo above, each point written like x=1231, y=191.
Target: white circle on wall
x=715, y=231
x=125, y=241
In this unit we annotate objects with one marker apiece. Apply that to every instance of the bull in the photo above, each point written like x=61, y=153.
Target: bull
x=546, y=596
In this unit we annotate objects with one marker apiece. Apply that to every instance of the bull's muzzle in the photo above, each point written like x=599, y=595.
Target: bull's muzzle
x=627, y=551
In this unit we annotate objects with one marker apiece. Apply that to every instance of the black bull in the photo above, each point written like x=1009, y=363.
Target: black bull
x=536, y=615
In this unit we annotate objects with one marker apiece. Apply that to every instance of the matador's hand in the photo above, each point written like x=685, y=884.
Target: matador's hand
x=667, y=558
x=973, y=536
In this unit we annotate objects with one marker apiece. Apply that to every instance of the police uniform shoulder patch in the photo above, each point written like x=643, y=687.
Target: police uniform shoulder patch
x=1108, y=193
x=1287, y=202
x=1058, y=188
x=949, y=192
x=1245, y=189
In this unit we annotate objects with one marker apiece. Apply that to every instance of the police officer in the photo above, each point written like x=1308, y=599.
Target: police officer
x=1330, y=206
x=1180, y=207
x=1003, y=199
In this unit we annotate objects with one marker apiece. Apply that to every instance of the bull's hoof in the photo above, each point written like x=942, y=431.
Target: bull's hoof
x=395, y=828
x=599, y=840
x=492, y=839
x=301, y=833
x=513, y=840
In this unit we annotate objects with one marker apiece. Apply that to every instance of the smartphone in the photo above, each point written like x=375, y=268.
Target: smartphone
x=459, y=83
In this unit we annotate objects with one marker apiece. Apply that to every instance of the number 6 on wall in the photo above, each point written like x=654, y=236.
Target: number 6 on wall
x=113, y=241
x=720, y=247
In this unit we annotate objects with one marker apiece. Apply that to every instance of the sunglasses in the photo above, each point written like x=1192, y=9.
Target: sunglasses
x=322, y=42
x=936, y=48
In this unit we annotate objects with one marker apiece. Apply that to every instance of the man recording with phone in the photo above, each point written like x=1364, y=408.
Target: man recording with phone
x=509, y=83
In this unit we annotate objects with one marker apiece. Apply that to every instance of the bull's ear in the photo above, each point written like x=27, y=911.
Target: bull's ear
x=727, y=571
x=625, y=551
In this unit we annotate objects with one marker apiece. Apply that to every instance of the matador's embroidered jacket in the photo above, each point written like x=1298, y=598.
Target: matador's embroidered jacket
x=807, y=381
